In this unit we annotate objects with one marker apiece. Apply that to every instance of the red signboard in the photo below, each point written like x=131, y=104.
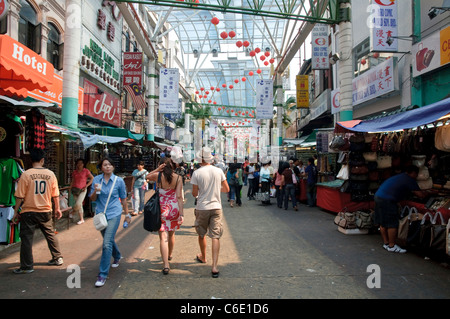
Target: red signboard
x=101, y=105
x=132, y=68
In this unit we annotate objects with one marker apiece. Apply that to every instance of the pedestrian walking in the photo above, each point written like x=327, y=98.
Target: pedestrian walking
x=233, y=182
x=265, y=179
x=36, y=188
x=171, y=202
x=207, y=183
x=81, y=179
x=139, y=183
x=106, y=185
x=289, y=186
x=311, y=181
x=391, y=191
x=251, y=180
x=278, y=182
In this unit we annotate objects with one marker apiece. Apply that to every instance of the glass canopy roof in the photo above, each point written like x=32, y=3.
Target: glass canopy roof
x=228, y=44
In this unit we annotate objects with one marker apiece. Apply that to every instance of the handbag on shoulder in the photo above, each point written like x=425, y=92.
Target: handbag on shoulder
x=152, y=210
x=100, y=221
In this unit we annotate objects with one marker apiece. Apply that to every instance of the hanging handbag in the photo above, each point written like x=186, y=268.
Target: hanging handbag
x=343, y=172
x=438, y=232
x=363, y=219
x=403, y=226
x=152, y=210
x=384, y=161
x=100, y=221
x=370, y=156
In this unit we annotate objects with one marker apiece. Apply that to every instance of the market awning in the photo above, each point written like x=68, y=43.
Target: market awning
x=310, y=140
x=26, y=103
x=405, y=120
x=87, y=139
x=22, y=69
x=116, y=132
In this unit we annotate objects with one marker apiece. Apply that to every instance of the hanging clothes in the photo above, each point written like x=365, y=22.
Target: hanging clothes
x=11, y=128
x=35, y=129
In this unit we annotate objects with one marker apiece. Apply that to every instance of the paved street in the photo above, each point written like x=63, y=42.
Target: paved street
x=266, y=253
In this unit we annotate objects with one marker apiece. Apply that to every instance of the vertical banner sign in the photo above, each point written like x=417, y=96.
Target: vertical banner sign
x=383, y=26
x=132, y=68
x=229, y=147
x=335, y=101
x=302, y=85
x=253, y=144
x=198, y=139
x=264, y=99
x=168, y=90
x=319, y=39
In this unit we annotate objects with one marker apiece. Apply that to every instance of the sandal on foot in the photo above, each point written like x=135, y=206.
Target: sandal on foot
x=215, y=274
x=199, y=260
x=165, y=271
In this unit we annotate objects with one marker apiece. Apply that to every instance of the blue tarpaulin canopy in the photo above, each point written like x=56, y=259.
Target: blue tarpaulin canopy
x=405, y=120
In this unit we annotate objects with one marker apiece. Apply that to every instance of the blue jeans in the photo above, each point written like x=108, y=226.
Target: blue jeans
x=279, y=195
x=289, y=190
x=110, y=248
x=311, y=194
x=232, y=193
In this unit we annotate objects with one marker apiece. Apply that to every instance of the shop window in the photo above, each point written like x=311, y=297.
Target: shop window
x=55, y=49
x=127, y=42
x=3, y=25
x=29, y=30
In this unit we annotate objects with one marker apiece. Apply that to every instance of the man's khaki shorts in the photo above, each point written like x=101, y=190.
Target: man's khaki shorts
x=209, y=222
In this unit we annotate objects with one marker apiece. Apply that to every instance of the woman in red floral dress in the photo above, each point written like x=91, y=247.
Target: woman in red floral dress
x=171, y=202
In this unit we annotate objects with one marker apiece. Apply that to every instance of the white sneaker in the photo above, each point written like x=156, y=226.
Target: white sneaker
x=396, y=249
x=100, y=281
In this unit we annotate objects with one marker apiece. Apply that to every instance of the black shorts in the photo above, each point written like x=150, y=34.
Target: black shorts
x=386, y=213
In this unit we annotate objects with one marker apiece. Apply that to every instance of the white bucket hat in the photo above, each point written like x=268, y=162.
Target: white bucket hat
x=205, y=155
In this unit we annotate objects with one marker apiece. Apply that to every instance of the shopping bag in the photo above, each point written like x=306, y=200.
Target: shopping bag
x=438, y=233
x=152, y=211
x=403, y=226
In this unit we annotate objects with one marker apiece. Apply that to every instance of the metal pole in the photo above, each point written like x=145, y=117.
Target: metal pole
x=151, y=99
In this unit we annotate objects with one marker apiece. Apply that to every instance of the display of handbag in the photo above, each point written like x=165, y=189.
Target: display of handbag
x=403, y=226
x=442, y=138
x=370, y=156
x=384, y=161
x=374, y=176
x=152, y=210
x=100, y=221
x=364, y=220
x=345, y=219
x=359, y=169
x=337, y=142
x=426, y=184
x=423, y=174
x=359, y=177
x=343, y=172
x=438, y=233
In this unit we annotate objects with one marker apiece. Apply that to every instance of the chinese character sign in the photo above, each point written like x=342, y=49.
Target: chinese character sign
x=375, y=82
x=302, y=84
x=319, y=39
x=383, y=31
x=264, y=99
x=132, y=68
x=168, y=90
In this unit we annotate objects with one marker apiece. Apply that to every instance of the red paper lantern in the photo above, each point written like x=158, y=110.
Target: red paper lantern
x=215, y=21
x=197, y=92
x=202, y=89
x=246, y=43
x=267, y=53
x=239, y=44
x=207, y=92
x=219, y=108
x=200, y=96
x=262, y=57
x=363, y=61
x=218, y=89
x=272, y=60
x=257, y=50
x=212, y=88
x=224, y=35
x=376, y=55
x=209, y=101
x=236, y=81
x=252, y=53
x=244, y=79
x=232, y=34
x=214, y=102
x=258, y=71
x=266, y=63
x=231, y=86
x=250, y=73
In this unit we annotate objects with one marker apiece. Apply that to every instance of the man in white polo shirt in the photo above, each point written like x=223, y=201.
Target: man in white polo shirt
x=207, y=183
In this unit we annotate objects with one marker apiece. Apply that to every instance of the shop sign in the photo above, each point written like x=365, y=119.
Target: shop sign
x=376, y=82
x=54, y=93
x=168, y=90
x=321, y=104
x=302, y=85
x=132, y=68
x=335, y=101
x=99, y=62
x=264, y=99
x=431, y=53
x=4, y=6
x=319, y=40
x=383, y=26
x=101, y=105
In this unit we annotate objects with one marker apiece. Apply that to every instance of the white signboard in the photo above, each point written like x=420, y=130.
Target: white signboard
x=168, y=90
x=264, y=99
x=319, y=40
x=383, y=26
x=378, y=81
x=335, y=101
